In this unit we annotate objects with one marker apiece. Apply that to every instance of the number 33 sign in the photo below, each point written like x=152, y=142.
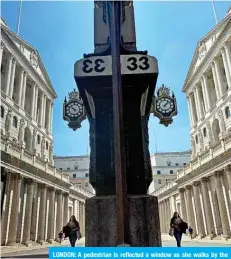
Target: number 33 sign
x=102, y=66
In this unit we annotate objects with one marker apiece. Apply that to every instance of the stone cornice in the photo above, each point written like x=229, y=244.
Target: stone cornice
x=29, y=67
x=208, y=58
x=35, y=173
x=216, y=164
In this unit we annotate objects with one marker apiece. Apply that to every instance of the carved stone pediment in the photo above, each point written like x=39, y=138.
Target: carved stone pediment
x=34, y=59
x=202, y=50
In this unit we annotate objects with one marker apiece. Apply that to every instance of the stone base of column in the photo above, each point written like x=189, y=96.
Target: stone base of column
x=50, y=241
x=143, y=221
x=12, y=243
x=200, y=236
x=225, y=237
x=27, y=243
x=41, y=242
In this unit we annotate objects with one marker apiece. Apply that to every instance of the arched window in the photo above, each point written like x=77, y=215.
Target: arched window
x=196, y=139
x=216, y=130
x=38, y=139
x=15, y=122
x=46, y=145
x=227, y=112
x=2, y=111
x=204, y=132
x=27, y=139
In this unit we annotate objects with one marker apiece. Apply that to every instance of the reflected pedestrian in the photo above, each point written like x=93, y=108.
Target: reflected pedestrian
x=73, y=230
x=178, y=227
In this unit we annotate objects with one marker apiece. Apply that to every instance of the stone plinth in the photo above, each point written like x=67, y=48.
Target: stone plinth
x=143, y=227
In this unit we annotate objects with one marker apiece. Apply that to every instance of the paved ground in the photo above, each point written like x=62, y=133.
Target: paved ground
x=43, y=252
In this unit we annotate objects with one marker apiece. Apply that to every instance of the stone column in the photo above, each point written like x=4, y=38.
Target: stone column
x=163, y=216
x=27, y=218
x=24, y=91
x=166, y=216
x=35, y=213
x=190, y=212
x=204, y=95
x=44, y=111
x=215, y=81
x=190, y=111
x=6, y=208
x=199, y=216
x=33, y=100
x=207, y=208
x=11, y=88
x=83, y=230
x=20, y=86
x=41, y=108
x=65, y=208
x=59, y=217
x=51, y=215
x=228, y=55
x=35, y=103
x=77, y=214
x=8, y=74
x=160, y=215
x=221, y=205
x=196, y=104
x=220, y=82
x=226, y=67
x=193, y=111
x=51, y=117
x=182, y=204
x=168, y=211
x=1, y=52
x=16, y=182
x=207, y=93
x=199, y=103
x=228, y=173
x=42, y=213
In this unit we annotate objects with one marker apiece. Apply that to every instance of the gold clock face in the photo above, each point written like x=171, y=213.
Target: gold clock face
x=165, y=105
x=74, y=109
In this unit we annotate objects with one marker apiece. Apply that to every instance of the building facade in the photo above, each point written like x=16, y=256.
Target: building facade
x=77, y=167
x=165, y=166
x=36, y=199
x=202, y=191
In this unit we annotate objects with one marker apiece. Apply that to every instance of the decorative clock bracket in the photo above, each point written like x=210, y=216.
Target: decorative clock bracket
x=73, y=110
x=164, y=105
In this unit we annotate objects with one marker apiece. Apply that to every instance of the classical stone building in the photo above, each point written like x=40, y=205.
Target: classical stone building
x=202, y=191
x=78, y=169
x=36, y=199
x=165, y=166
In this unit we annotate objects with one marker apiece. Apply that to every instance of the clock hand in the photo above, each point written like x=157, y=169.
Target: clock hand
x=165, y=104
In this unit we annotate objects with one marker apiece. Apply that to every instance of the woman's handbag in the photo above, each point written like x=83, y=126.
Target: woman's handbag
x=171, y=230
x=79, y=235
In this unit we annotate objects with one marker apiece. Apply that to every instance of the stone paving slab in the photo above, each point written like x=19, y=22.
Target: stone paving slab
x=34, y=246
x=186, y=238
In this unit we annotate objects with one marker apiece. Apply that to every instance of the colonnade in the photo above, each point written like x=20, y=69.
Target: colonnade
x=19, y=86
x=205, y=205
x=34, y=211
x=211, y=86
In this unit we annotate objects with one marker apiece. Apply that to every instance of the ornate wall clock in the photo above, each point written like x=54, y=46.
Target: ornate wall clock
x=164, y=105
x=73, y=110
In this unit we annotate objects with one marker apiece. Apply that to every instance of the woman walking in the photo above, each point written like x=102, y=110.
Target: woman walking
x=178, y=226
x=74, y=230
